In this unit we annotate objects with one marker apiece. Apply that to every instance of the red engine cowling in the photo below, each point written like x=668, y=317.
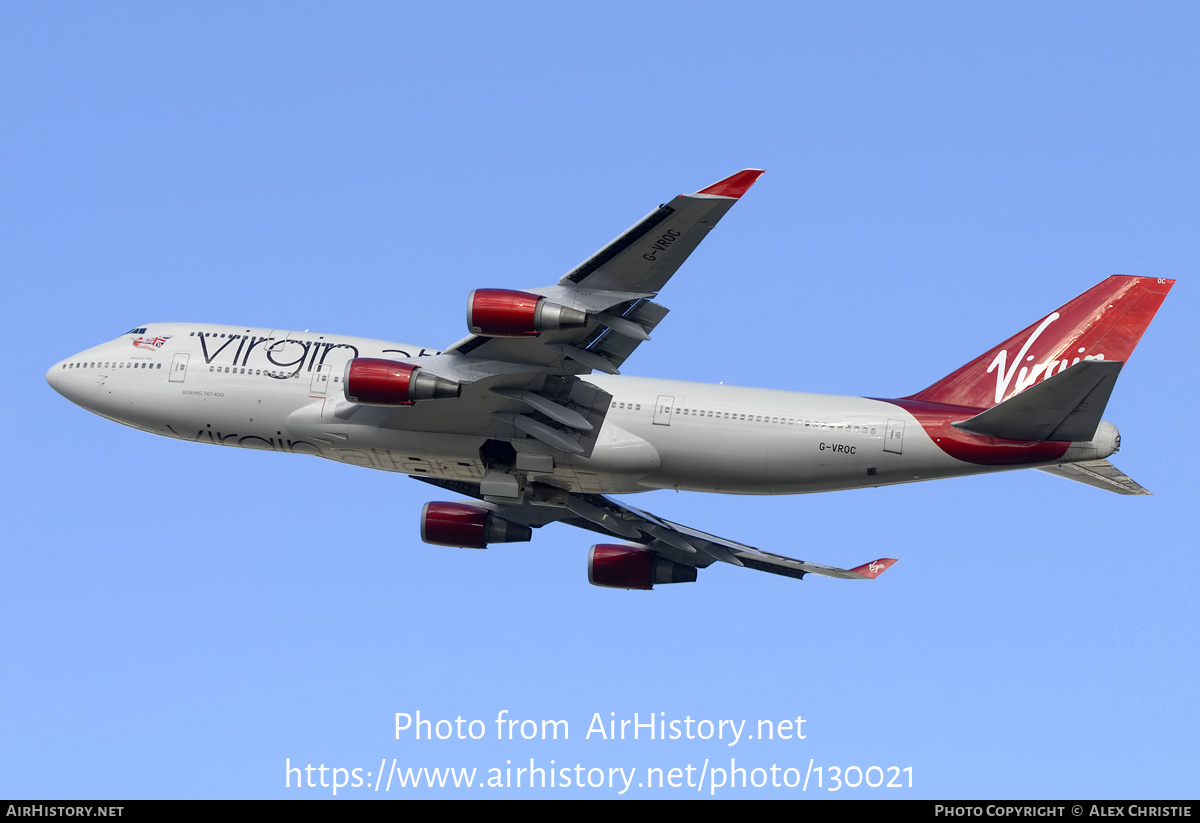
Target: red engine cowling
x=634, y=567
x=468, y=527
x=373, y=382
x=505, y=313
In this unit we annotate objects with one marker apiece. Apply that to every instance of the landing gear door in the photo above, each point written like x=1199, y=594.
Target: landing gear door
x=179, y=364
x=663, y=409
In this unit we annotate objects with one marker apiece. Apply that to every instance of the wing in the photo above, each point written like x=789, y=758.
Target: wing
x=518, y=374
x=613, y=282
x=656, y=551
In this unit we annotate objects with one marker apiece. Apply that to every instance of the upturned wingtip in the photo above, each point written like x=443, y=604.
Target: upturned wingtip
x=735, y=185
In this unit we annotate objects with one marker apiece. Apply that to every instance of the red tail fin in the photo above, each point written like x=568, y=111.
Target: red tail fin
x=1103, y=323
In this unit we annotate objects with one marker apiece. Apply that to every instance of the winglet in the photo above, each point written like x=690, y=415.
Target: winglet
x=735, y=185
x=874, y=568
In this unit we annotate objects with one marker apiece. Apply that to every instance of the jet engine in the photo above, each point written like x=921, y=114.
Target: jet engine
x=468, y=527
x=374, y=382
x=505, y=313
x=634, y=567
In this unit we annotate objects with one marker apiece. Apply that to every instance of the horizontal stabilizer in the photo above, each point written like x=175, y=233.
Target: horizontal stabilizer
x=1067, y=406
x=1098, y=473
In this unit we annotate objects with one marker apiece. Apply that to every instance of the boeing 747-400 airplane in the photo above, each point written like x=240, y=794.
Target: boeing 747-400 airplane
x=529, y=417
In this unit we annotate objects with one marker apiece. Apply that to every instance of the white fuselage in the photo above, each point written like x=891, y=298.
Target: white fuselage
x=281, y=391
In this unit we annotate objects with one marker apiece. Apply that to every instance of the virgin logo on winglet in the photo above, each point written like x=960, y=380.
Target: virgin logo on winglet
x=874, y=568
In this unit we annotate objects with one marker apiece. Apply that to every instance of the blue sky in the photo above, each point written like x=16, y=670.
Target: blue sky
x=184, y=621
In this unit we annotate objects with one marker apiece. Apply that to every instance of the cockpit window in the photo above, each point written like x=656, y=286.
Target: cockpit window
x=142, y=330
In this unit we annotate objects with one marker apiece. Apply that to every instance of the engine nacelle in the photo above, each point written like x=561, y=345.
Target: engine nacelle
x=634, y=567
x=374, y=382
x=468, y=527
x=505, y=313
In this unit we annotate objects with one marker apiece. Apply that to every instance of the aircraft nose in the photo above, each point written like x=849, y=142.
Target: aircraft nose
x=53, y=375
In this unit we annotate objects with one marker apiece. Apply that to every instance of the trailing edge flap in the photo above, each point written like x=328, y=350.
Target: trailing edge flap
x=1098, y=473
x=1067, y=406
